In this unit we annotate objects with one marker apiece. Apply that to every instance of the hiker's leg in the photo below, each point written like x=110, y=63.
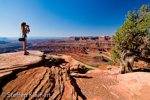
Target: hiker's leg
x=24, y=46
x=26, y=43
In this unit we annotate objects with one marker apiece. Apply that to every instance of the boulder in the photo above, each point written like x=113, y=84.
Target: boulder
x=82, y=69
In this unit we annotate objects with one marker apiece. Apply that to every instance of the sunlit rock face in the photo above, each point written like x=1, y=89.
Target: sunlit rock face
x=36, y=76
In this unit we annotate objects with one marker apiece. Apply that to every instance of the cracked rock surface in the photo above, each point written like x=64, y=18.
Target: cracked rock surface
x=36, y=77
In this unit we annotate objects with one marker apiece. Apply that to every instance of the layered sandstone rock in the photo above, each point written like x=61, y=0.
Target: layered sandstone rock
x=60, y=48
x=54, y=83
x=76, y=49
x=91, y=60
x=110, y=85
x=12, y=62
x=134, y=86
x=43, y=81
x=49, y=81
x=74, y=65
x=102, y=38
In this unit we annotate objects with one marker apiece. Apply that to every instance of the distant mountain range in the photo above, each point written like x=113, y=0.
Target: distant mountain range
x=3, y=38
x=4, y=42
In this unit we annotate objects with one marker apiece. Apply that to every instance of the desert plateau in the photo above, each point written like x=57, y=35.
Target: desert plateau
x=75, y=68
x=75, y=50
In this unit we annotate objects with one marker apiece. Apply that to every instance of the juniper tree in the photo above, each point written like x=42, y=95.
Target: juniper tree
x=132, y=39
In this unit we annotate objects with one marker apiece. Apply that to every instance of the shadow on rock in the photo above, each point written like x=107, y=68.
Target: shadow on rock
x=77, y=89
x=79, y=76
x=6, y=80
x=141, y=70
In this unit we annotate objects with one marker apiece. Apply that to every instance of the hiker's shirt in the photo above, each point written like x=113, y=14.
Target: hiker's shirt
x=24, y=33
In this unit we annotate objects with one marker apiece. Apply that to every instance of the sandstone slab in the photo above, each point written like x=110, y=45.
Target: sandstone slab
x=74, y=65
x=12, y=62
x=47, y=79
x=134, y=86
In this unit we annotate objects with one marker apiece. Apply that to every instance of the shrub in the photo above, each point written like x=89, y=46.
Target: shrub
x=54, y=60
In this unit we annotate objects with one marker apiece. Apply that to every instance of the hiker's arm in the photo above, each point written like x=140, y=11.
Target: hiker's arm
x=27, y=28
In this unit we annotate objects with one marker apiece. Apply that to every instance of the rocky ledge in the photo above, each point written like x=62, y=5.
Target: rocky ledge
x=13, y=62
x=36, y=76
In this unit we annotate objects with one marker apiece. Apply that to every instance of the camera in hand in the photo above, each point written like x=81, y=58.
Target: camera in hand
x=27, y=27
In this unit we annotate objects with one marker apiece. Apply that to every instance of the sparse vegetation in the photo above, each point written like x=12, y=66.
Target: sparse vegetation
x=59, y=54
x=88, y=64
x=109, y=61
x=131, y=39
x=90, y=69
x=54, y=60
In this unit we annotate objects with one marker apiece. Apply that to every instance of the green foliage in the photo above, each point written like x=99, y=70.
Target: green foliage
x=50, y=56
x=59, y=54
x=114, y=55
x=90, y=69
x=54, y=60
x=109, y=62
x=132, y=33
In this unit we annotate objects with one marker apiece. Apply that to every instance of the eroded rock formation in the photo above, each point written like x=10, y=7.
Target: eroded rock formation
x=76, y=49
x=37, y=77
x=102, y=38
x=13, y=62
x=90, y=43
x=29, y=79
x=95, y=60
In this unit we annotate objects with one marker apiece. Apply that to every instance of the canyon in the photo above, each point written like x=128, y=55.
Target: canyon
x=90, y=50
x=76, y=68
x=79, y=48
x=102, y=38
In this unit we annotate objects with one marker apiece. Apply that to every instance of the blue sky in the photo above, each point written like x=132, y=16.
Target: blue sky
x=64, y=18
